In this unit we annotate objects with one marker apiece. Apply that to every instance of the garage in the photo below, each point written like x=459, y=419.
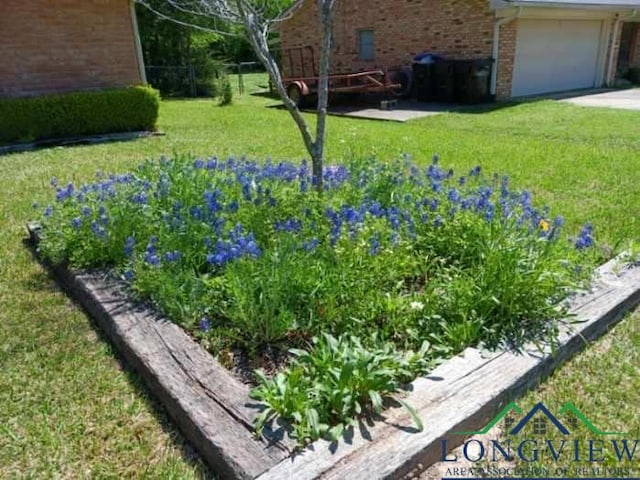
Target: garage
x=556, y=55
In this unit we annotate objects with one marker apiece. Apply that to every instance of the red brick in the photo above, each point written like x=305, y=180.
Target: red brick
x=66, y=45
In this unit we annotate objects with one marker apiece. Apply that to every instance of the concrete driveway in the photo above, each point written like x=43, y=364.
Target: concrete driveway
x=626, y=99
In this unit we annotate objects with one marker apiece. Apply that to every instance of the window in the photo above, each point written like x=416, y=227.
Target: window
x=366, y=47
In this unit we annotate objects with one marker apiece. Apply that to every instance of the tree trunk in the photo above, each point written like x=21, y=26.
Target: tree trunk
x=325, y=7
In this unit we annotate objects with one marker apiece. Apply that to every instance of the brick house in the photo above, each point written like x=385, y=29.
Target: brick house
x=539, y=46
x=64, y=45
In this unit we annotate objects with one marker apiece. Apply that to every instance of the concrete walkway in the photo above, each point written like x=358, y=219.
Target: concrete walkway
x=626, y=99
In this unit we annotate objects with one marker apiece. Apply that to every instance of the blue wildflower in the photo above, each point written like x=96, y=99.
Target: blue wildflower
x=374, y=242
x=310, y=245
x=152, y=259
x=98, y=230
x=205, y=324
x=76, y=222
x=48, y=211
x=129, y=243
x=174, y=256
x=128, y=275
x=198, y=164
x=585, y=238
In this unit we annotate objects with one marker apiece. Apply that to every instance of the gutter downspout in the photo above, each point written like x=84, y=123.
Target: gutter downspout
x=136, y=35
x=616, y=27
x=496, y=47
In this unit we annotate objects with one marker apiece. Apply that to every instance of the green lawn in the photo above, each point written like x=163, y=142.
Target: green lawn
x=70, y=409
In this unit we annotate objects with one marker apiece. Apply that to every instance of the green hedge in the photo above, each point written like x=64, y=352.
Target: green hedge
x=80, y=113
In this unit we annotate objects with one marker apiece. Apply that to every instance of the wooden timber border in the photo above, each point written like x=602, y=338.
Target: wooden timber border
x=214, y=412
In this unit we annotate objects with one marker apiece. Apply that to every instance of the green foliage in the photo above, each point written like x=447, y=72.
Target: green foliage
x=181, y=59
x=247, y=255
x=324, y=390
x=79, y=113
x=225, y=92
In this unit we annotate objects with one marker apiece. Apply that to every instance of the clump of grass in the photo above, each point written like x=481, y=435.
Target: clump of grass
x=247, y=255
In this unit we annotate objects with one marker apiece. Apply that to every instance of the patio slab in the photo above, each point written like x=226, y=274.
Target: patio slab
x=404, y=110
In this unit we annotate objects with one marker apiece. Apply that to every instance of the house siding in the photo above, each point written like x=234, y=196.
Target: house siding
x=402, y=28
x=66, y=45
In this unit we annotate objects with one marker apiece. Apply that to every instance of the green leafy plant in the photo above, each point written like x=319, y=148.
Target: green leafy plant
x=325, y=389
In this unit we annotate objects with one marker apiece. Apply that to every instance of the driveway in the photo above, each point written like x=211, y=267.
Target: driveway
x=627, y=99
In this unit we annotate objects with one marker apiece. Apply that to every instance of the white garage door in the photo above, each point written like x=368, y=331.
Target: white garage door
x=555, y=55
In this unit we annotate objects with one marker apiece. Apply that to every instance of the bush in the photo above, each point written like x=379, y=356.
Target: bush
x=225, y=92
x=79, y=113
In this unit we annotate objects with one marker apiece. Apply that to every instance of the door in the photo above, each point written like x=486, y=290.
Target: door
x=555, y=55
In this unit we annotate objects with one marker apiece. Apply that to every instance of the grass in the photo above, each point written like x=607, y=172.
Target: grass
x=68, y=407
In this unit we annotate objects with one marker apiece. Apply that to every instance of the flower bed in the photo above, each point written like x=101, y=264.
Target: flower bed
x=393, y=268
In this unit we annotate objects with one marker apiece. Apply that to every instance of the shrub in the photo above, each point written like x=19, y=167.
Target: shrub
x=79, y=113
x=225, y=91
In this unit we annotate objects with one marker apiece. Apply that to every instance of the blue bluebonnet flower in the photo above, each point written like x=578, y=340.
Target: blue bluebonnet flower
x=212, y=200
x=374, y=243
x=48, y=211
x=289, y=225
x=129, y=243
x=474, y=172
x=558, y=222
x=173, y=256
x=204, y=325
x=197, y=212
x=585, y=238
x=98, y=230
x=152, y=259
x=76, y=222
x=239, y=245
x=86, y=211
x=140, y=198
x=310, y=245
x=437, y=222
x=65, y=193
x=128, y=275
x=198, y=164
x=453, y=195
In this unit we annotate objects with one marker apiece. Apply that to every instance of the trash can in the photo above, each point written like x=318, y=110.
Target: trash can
x=424, y=76
x=472, y=80
x=444, y=72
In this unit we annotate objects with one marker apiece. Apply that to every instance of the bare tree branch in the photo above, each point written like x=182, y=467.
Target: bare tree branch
x=257, y=18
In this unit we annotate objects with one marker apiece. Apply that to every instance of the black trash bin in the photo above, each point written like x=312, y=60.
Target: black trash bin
x=424, y=76
x=444, y=72
x=472, y=80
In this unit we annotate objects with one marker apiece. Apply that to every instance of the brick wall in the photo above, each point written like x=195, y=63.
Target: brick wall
x=55, y=46
x=634, y=53
x=506, y=55
x=402, y=29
